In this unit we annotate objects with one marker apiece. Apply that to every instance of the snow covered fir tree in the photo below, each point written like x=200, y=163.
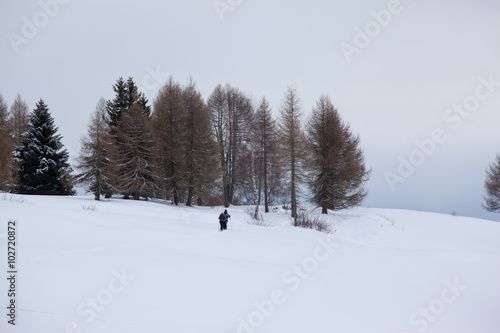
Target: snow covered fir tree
x=43, y=163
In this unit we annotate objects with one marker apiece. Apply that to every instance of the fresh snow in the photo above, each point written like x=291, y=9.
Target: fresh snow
x=148, y=266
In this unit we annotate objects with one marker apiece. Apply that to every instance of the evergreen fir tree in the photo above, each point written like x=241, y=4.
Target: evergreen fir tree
x=119, y=104
x=135, y=96
x=127, y=94
x=44, y=167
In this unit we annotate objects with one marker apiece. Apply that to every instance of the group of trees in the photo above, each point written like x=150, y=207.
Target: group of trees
x=247, y=146
x=116, y=155
x=225, y=150
x=168, y=153
x=186, y=155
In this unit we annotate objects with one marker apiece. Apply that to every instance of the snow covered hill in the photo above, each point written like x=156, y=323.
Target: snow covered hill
x=127, y=266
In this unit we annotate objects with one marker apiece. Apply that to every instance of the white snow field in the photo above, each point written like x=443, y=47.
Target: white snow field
x=143, y=266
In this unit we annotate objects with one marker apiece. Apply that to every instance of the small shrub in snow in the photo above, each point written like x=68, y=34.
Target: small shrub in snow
x=309, y=221
x=15, y=198
x=256, y=217
x=391, y=221
x=91, y=207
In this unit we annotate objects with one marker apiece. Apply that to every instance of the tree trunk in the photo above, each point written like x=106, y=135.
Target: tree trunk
x=226, y=196
x=266, y=196
x=189, y=196
x=293, y=176
x=176, y=197
x=253, y=188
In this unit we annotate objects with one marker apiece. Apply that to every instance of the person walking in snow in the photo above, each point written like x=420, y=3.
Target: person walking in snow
x=223, y=220
x=228, y=217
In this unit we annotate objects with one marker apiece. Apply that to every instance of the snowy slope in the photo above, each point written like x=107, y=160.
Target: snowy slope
x=151, y=267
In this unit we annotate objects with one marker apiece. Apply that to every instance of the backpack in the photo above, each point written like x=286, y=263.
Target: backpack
x=222, y=217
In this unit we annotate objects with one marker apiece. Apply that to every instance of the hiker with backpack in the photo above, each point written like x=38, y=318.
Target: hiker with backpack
x=223, y=218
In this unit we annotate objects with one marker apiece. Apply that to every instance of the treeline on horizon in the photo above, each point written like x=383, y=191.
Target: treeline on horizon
x=225, y=150
x=221, y=151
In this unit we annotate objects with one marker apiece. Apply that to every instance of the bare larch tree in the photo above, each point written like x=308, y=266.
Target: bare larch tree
x=96, y=151
x=338, y=170
x=492, y=187
x=294, y=143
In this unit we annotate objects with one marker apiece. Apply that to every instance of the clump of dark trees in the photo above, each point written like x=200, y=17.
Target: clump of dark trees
x=225, y=150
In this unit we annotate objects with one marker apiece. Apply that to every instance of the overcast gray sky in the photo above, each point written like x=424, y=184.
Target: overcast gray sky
x=400, y=72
